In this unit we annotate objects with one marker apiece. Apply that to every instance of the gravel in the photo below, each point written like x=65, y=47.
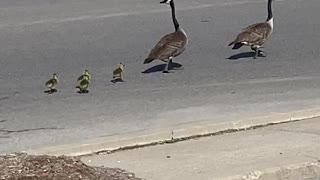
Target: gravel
x=21, y=166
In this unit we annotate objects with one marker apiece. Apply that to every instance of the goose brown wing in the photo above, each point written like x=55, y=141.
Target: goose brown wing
x=170, y=45
x=255, y=33
x=262, y=29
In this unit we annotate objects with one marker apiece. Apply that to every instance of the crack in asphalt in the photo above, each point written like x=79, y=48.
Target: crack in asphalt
x=4, y=137
x=5, y=131
x=4, y=98
x=2, y=121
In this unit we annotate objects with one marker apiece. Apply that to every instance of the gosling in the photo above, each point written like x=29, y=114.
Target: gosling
x=52, y=83
x=118, y=73
x=84, y=81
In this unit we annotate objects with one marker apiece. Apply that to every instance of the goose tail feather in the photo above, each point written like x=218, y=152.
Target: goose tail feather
x=237, y=45
x=231, y=43
x=148, y=60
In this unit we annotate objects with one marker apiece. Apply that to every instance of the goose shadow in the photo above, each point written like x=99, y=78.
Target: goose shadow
x=244, y=55
x=50, y=91
x=161, y=67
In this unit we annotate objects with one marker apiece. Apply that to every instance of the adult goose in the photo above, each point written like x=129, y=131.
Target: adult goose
x=170, y=45
x=255, y=35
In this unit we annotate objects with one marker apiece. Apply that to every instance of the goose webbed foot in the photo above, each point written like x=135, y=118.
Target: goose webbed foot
x=258, y=52
x=262, y=53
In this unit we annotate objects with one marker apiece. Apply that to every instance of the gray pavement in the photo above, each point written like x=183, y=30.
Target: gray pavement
x=286, y=151
x=38, y=38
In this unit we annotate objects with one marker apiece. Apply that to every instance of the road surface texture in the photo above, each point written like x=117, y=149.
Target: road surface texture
x=42, y=37
x=230, y=156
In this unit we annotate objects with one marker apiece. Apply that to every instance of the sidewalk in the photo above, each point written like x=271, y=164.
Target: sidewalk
x=228, y=156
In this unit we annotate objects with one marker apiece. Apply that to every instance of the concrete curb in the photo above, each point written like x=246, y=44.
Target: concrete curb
x=309, y=170
x=178, y=132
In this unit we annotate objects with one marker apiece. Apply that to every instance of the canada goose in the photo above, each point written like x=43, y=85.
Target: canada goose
x=170, y=45
x=255, y=35
x=86, y=73
x=83, y=84
x=118, y=73
x=52, y=83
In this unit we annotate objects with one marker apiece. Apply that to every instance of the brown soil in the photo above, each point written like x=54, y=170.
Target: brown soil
x=20, y=166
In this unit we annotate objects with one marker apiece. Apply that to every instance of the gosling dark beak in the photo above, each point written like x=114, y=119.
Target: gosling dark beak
x=162, y=2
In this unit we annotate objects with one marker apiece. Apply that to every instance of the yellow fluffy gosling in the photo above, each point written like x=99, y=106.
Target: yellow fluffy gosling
x=118, y=73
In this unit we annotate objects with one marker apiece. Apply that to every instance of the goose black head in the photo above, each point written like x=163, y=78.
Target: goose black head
x=165, y=1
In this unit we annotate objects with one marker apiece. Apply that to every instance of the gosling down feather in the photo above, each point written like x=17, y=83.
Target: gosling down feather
x=84, y=81
x=255, y=35
x=170, y=45
x=86, y=73
x=118, y=73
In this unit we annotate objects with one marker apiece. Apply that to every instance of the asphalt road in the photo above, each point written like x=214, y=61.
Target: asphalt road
x=41, y=37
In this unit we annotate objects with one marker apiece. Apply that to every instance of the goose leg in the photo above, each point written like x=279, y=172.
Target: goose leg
x=256, y=50
x=166, y=69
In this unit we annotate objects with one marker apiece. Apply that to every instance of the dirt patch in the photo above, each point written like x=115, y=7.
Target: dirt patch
x=21, y=166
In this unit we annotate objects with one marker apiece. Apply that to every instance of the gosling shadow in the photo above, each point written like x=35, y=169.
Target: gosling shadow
x=50, y=91
x=83, y=91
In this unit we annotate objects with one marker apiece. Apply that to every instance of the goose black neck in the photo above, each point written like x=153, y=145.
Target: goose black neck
x=270, y=15
x=174, y=19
